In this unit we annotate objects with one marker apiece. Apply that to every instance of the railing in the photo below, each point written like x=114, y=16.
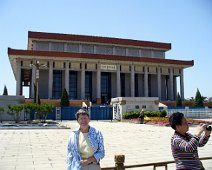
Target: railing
x=199, y=113
x=119, y=164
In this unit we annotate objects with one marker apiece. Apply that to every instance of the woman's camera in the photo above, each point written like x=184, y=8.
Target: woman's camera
x=208, y=128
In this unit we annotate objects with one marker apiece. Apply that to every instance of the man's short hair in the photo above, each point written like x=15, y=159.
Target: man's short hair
x=81, y=111
x=176, y=119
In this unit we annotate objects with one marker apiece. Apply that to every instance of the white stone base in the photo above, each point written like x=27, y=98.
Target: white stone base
x=127, y=104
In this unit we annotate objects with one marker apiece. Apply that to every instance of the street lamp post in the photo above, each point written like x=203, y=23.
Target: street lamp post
x=37, y=78
x=37, y=67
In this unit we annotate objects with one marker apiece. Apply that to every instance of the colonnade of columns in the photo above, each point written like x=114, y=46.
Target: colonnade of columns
x=98, y=81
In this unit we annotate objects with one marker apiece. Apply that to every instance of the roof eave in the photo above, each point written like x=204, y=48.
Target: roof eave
x=98, y=39
x=16, y=52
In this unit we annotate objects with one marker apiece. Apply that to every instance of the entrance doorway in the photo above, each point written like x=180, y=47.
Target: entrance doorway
x=105, y=87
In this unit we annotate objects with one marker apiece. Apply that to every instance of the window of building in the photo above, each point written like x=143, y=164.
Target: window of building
x=146, y=53
x=120, y=51
x=122, y=84
x=149, y=85
x=88, y=85
x=42, y=46
x=158, y=54
x=73, y=47
x=57, y=84
x=133, y=52
x=104, y=50
x=87, y=48
x=73, y=84
x=57, y=46
x=105, y=87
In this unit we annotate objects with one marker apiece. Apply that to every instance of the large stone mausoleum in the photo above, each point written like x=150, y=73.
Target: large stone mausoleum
x=96, y=68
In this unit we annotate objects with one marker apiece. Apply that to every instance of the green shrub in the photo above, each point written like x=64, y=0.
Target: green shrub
x=15, y=111
x=1, y=113
x=151, y=113
x=5, y=93
x=64, y=99
x=155, y=113
x=131, y=115
x=163, y=113
x=135, y=114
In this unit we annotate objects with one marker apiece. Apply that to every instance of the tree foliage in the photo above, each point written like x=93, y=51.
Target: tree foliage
x=5, y=93
x=1, y=113
x=29, y=108
x=199, y=99
x=178, y=100
x=64, y=99
x=15, y=111
x=43, y=110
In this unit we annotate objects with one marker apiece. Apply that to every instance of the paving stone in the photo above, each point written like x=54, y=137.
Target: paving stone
x=39, y=149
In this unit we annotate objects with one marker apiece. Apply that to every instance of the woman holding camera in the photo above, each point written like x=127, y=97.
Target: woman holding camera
x=184, y=145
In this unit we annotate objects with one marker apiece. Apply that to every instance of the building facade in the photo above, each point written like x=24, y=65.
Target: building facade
x=96, y=68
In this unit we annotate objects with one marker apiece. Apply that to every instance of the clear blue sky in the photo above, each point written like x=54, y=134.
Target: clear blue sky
x=187, y=25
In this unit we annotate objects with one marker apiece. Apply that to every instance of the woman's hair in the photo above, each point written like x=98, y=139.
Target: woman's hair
x=81, y=111
x=176, y=119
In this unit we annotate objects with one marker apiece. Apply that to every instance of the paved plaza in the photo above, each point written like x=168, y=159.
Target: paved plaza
x=39, y=149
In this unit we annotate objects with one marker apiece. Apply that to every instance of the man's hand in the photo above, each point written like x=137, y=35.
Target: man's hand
x=207, y=132
x=201, y=128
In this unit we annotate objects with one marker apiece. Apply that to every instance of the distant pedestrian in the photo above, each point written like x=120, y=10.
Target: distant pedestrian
x=85, y=146
x=184, y=145
x=141, y=116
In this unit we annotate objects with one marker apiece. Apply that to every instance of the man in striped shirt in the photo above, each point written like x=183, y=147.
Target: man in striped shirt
x=184, y=145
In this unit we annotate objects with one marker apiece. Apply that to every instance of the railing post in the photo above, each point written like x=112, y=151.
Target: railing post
x=119, y=162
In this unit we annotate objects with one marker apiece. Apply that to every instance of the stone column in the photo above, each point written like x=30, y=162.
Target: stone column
x=118, y=81
x=114, y=51
x=182, y=84
x=146, y=88
x=67, y=76
x=159, y=82
x=132, y=81
x=34, y=45
x=175, y=87
x=50, y=79
x=82, y=80
x=33, y=80
x=139, y=52
x=50, y=46
x=171, y=96
x=18, y=77
x=94, y=49
x=80, y=48
x=65, y=47
x=127, y=52
x=98, y=84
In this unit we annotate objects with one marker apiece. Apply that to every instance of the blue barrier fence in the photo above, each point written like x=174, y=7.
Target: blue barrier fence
x=101, y=113
x=96, y=113
x=68, y=113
